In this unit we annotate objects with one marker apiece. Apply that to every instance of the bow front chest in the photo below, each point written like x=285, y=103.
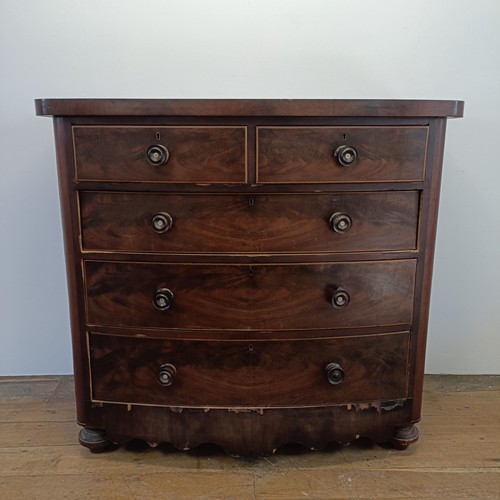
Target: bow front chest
x=249, y=273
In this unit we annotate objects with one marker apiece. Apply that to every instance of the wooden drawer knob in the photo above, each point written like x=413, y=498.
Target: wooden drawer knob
x=161, y=222
x=346, y=155
x=157, y=155
x=166, y=374
x=334, y=373
x=340, y=298
x=340, y=223
x=163, y=299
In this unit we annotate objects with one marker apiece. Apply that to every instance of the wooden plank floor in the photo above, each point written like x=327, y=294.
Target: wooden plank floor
x=458, y=455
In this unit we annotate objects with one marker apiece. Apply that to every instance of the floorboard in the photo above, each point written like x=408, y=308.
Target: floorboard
x=457, y=457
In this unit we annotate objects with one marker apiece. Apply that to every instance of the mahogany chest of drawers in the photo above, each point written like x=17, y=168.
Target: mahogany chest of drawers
x=249, y=273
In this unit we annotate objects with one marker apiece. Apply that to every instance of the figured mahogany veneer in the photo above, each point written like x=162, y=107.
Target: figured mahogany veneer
x=287, y=155
x=257, y=374
x=257, y=297
x=196, y=154
x=249, y=273
x=241, y=223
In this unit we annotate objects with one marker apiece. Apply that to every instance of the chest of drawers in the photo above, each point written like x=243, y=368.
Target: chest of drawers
x=249, y=273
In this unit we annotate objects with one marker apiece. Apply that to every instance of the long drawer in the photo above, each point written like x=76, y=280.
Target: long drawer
x=250, y=297
x=340, y=154
x=242, y=374
x=239, y=223
x=161, y=154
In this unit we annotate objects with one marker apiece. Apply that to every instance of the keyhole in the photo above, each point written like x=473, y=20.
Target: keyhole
x=157, y=136
x=251, y=201
x=344, y=137
x=251, y=272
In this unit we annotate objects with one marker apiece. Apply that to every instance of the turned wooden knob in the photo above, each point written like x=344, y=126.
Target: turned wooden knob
x=157, y=155
x=346, y=155
x=340, y=223
x=166, y=374
x=161, y=222
x=163, y=299
x=340, y=298
x=334, y=373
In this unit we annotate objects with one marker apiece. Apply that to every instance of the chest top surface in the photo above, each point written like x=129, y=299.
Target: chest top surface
x=250, y=107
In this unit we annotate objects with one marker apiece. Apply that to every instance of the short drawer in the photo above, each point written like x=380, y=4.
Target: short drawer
x=256, y=297
x=238, y=223
x=340, y=154
x=160, y=154
x=258, y=374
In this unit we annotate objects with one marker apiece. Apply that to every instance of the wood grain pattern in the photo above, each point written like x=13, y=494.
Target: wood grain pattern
x=229, y=223
x=197, y=154
x=461, y=409
x=262, y=374
x=306, y=154
x=259, y=297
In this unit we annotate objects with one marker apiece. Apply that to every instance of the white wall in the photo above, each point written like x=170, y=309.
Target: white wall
x=446, y=49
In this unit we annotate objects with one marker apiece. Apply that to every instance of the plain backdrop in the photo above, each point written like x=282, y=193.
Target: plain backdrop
x=447, y=49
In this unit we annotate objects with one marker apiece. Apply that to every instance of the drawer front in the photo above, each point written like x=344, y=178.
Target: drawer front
x=307, y=154
x=193, y=154
x=258, y=297
x=240, y=223
x=258, y=374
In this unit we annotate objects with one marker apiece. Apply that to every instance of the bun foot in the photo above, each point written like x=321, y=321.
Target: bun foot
x=94, y=439
x=404, y=436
